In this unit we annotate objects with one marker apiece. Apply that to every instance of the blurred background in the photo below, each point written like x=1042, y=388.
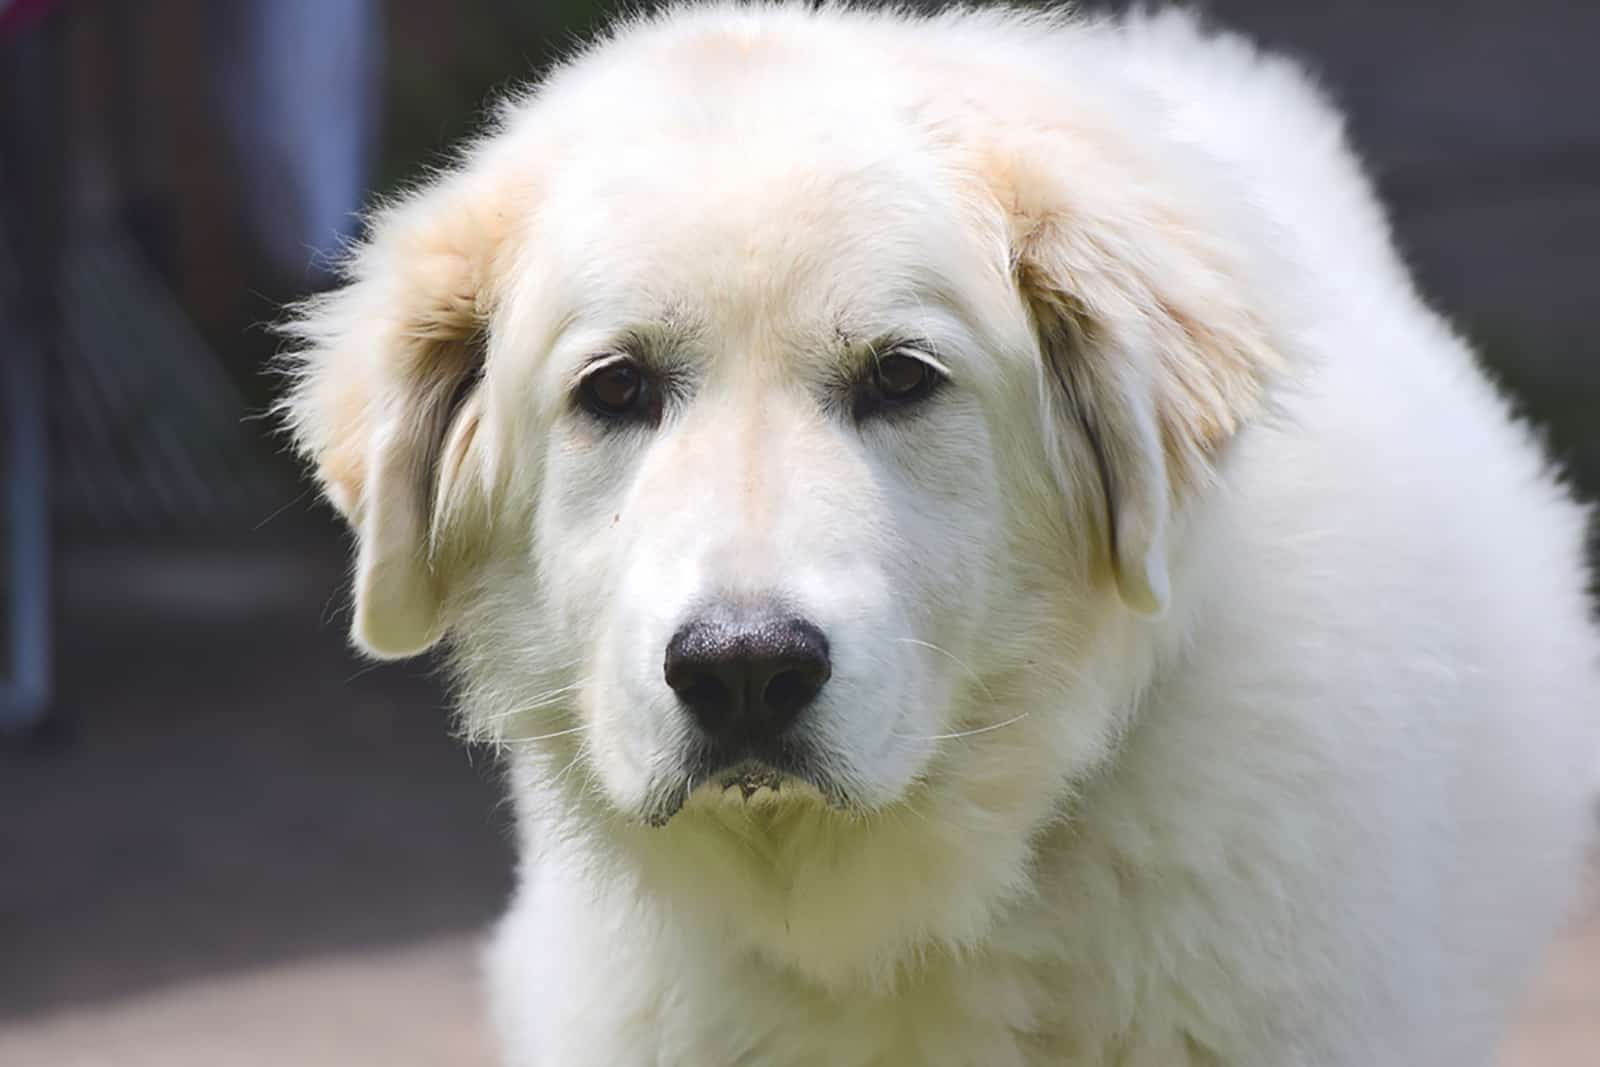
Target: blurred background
x=222, y=838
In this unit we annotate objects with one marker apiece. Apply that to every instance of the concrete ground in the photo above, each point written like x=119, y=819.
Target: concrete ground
x=259, y=852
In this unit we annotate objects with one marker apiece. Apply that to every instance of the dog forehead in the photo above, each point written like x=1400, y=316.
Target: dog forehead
x=740, y=133
x=772, y=189
x=778, y=206
x=787, y=238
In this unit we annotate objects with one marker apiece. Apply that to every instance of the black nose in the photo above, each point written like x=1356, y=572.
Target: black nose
x=747, y=674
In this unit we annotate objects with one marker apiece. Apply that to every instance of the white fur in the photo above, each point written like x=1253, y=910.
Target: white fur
x=1277, y=757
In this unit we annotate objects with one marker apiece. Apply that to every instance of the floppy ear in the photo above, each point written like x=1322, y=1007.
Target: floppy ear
x=384, y=403
x=1153, y=354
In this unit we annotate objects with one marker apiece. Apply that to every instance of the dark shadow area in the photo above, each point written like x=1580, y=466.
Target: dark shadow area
x=237, y=789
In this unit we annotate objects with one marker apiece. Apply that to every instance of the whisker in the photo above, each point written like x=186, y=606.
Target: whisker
x=954, y=658
x=543, y=700
x=979, y=730
x=543, y=737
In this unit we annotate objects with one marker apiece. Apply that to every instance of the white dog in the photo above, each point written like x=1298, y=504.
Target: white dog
x=974, y=552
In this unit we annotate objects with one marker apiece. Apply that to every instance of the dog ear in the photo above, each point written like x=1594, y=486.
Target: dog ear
x=384, y=403
x=1153, y=352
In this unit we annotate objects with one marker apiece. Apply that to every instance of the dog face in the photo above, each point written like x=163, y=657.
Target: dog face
x=770, y=437
x=768, y=503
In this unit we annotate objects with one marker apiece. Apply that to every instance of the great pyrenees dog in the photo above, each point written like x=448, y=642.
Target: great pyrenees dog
x=973, y=550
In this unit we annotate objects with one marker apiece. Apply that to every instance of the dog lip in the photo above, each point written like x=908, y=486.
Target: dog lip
x=750, y=777
x=753, y=764
x=744, y=769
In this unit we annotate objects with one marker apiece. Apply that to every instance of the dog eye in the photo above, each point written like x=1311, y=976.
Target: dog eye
x=897, y=380
x=619, y=391
x=901, y=377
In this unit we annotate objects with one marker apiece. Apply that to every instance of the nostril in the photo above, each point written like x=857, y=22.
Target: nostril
x=703, y=690
x=789, y=691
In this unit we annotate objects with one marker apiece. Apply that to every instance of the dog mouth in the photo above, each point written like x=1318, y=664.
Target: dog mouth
x=750, y=778
x=745, y=780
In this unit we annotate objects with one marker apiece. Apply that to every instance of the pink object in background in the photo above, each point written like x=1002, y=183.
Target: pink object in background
x=18, y=14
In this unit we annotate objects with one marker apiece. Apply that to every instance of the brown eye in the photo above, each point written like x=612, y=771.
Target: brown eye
x=897, y=379
x=902, y=377
x=618, y=391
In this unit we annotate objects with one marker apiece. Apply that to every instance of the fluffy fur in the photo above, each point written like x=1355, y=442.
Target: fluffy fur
x=1212, y=678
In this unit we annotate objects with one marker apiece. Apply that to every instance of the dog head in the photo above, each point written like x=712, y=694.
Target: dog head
x=785, y=444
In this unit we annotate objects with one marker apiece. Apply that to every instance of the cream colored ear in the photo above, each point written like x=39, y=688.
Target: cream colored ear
x=1148, y=320
x=379, y=376
x=1139, y=491
x=1109, y=399
x=397, y=602
x=390, y=470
